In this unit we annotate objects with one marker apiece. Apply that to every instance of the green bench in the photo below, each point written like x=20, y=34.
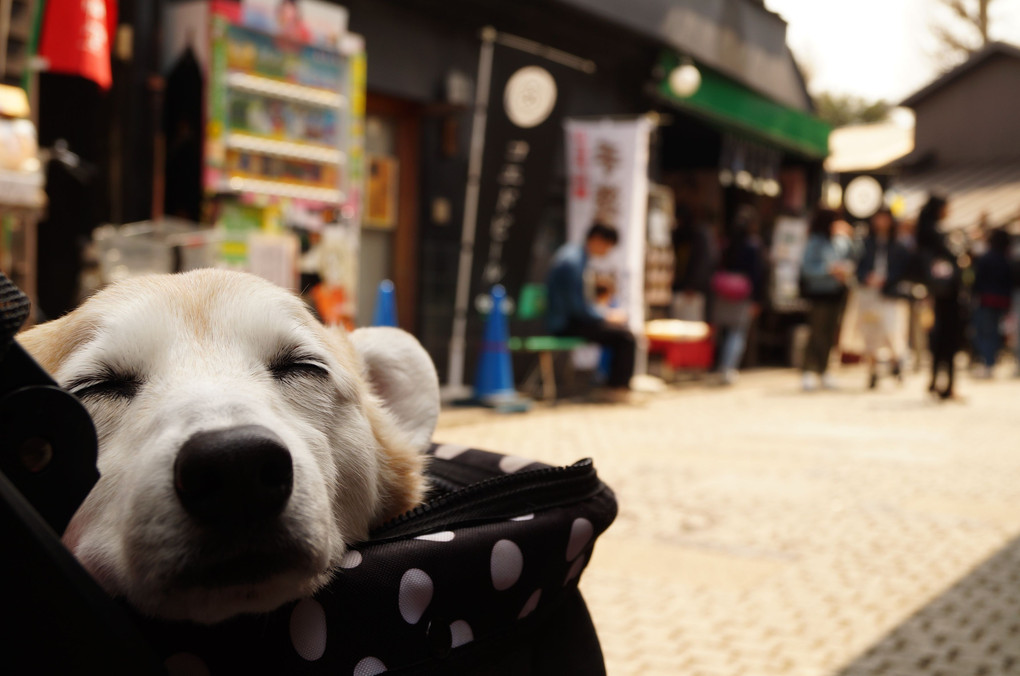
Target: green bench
x=531, y=306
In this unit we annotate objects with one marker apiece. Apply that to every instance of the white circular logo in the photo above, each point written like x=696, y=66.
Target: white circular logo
x=863, y=197
x=530, y=96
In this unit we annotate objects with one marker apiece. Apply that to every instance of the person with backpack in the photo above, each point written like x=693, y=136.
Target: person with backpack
x=943, y=278
x=737, y=286
x=826, y=271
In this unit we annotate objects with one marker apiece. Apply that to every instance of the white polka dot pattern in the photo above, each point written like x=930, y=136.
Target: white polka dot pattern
x=352, y=559
x=580, y=535
x=186, y=664
x=415, y=595
x=370, y=666
x=308, y=629
x=449, y=451
x=505, y=564
x=513, y=463
x=441, y=536
x=461, y=633
x=531, y=604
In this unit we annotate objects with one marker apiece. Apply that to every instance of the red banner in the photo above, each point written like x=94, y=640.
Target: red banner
x=76, y=37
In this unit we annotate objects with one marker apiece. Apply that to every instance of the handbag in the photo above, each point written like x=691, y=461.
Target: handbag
x=731, y=286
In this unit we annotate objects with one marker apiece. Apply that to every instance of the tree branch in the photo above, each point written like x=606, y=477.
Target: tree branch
x=950, y=40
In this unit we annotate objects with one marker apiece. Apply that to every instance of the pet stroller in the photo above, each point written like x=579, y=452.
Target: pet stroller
x=480, y=579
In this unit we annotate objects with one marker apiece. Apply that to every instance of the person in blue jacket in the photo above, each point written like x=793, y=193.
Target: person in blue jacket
x=827, y=268
x=993, y=286
x=570, y=311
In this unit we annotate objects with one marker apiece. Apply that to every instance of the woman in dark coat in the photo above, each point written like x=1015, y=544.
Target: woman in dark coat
x=944, y=279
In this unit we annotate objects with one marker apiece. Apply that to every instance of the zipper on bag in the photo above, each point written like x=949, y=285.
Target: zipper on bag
x=495, y=498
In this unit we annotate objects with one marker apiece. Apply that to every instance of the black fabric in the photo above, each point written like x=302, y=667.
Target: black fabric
x=73, y=109
x=945, y=339
x=992, y=276
x=14, y=309
x=182, y=126
x=823, y=321
x=619, y=339
x=695, y=260
x=898, y=262
x=744, y=256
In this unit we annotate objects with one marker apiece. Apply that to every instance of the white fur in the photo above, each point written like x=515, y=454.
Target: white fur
x=200, y=345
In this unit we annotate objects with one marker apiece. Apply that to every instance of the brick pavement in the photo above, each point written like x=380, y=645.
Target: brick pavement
x=766, y=531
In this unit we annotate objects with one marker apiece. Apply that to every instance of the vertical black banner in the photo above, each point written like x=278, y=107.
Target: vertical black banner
x=522, y=131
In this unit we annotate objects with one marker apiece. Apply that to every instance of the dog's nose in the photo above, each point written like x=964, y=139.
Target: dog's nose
x=233, y=477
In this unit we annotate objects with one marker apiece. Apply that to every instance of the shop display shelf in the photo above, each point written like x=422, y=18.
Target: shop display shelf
x=291, y=150
x=256, y=84
x=280, y=189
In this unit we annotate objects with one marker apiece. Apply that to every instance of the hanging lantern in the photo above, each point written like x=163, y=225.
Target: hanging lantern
x=685, y=79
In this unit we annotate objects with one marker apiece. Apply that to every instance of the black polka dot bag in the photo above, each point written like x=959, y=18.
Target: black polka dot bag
x=481, y=579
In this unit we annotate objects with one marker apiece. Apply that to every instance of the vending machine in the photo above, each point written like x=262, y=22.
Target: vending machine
x=282, y=106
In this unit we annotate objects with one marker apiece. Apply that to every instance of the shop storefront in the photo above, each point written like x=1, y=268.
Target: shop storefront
x=729, y=145
x=348, y=139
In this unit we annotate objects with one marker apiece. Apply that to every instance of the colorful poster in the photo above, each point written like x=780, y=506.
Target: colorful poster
x=381, y=192
x=608, y=183
x=306, y=21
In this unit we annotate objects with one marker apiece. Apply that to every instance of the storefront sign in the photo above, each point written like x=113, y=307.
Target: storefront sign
x=522, y=131
x=608, y=183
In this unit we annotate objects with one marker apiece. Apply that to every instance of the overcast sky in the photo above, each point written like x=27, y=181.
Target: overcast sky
x=877, y=49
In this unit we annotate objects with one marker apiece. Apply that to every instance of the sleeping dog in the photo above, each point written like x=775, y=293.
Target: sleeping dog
x=242, y=445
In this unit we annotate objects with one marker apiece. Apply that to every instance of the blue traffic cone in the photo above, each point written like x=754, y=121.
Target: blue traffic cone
x=385, y=305
x=494, y=380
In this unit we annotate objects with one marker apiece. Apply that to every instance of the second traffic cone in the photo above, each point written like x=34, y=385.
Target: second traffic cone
x=385, y=305
x=494, y=380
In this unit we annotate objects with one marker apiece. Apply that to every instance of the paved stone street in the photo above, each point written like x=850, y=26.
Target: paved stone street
x=766, y=531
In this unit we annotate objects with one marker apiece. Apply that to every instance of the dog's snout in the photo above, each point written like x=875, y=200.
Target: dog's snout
x=235, y=476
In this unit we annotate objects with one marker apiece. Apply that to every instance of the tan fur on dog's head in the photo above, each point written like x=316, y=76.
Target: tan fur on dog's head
x=159, y=359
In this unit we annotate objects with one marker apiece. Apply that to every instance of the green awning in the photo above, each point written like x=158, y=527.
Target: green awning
x=734, y=106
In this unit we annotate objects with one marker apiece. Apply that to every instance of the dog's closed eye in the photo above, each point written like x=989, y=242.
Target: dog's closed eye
x=293, y=363
x=106, y=383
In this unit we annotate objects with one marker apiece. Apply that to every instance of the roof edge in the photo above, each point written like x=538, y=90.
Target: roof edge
x=975, y=59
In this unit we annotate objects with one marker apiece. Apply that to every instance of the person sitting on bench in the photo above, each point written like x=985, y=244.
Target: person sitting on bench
x=569, y=312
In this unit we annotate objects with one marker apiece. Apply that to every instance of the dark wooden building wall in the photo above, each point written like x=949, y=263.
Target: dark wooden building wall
x=974, y=117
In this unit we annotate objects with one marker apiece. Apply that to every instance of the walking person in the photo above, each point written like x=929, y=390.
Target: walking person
x=944, y=280
x=883, y=313
x=991, y=292
x=737, y=287
x=571, y=312
x=695, y=254
x=826, y=271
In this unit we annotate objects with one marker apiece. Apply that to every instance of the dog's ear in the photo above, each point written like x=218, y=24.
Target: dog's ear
x=402, y=375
